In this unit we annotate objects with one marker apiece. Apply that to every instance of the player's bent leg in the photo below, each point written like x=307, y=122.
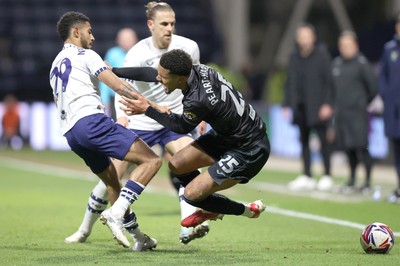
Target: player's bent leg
x=201, y=193
x=185, y=151
x=189, y=159
x=110, y=178
x=148, y=162
x=187, y=234
x=121, y=167
x=148, y=165
x=251, y=210
x=107, y=217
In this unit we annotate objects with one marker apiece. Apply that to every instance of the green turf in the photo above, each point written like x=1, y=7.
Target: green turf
x=40, y=209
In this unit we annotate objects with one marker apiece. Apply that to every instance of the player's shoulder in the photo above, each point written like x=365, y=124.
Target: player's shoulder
x=180, y=42
x=139, y=52
x=183, y=39
x=84, y=56
x=205, y=74
x=141, y=46
x=86, y=52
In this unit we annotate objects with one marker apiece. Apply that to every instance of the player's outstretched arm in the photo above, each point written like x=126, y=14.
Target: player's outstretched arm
x=146, y=74
x=120, y=86
x=140, y=105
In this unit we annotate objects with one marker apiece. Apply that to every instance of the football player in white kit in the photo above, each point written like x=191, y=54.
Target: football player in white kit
x=95, y=137
x=147, y=53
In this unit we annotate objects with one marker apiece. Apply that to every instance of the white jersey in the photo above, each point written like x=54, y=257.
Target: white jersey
x=73, y=77
x=144, y=53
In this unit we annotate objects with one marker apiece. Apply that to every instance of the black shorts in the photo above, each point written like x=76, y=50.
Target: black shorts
x=234, y=163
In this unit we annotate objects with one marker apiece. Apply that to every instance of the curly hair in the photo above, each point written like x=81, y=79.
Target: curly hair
x=153, y=6
x=177, y=61
x=67, y=21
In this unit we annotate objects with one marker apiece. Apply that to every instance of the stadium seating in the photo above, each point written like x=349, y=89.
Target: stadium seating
x=31, y=27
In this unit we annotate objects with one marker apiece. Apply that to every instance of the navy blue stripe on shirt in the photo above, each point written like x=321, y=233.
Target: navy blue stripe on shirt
x=100, y=70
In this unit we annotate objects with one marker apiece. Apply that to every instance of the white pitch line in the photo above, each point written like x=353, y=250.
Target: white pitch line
x=46, y=169
x=76, y=174
x=319, y=218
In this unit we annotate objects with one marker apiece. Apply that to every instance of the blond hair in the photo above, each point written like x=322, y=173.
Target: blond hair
x=153, y=6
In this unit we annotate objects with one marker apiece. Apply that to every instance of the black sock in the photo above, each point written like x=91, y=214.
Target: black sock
x=186, y=178
x=174, y=181
x=218, y=203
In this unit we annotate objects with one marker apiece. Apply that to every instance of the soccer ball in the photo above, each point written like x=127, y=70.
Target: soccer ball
x=377, y=238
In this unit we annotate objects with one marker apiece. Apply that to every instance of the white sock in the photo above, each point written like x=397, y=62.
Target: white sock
x=97, y=203
x=119, y=207
x=186, y=208
x=132, y=227
x=136, y=235
x=129, y=193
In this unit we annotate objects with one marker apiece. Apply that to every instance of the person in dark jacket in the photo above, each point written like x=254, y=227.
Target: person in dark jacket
x=355, y=87
x=308, y=93
x=389, y=89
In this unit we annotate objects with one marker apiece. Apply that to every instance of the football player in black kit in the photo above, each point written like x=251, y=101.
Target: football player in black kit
x=235, y=149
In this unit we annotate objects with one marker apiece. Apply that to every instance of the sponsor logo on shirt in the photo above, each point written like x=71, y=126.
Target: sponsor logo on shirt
x=190, y=115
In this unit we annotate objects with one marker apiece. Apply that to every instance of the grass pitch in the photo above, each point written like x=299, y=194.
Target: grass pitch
x=44, y=195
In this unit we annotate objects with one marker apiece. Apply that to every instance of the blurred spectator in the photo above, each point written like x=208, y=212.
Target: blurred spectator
x=389, y=83
x=308, y=96
x=355, y=87
x=275, y=85
x=115, y=56
x=10, y=123
x=255, y=78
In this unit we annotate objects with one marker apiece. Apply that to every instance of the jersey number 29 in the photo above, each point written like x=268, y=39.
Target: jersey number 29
x=62, y=73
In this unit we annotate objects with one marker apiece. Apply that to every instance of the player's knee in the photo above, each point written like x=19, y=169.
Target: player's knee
x=191, y=201
x=174, y=166
x=190, y=195
x=193, y=194
x=156, y=162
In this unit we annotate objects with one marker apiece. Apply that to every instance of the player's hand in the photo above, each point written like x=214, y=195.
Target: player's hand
x=134, y=106
x=163, y=109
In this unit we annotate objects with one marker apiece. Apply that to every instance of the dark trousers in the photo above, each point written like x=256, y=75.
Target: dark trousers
x=359, y=155
x=396, y=150
x=325, y=151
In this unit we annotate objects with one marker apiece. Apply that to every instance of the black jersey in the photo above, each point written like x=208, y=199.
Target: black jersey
x=211, y=98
